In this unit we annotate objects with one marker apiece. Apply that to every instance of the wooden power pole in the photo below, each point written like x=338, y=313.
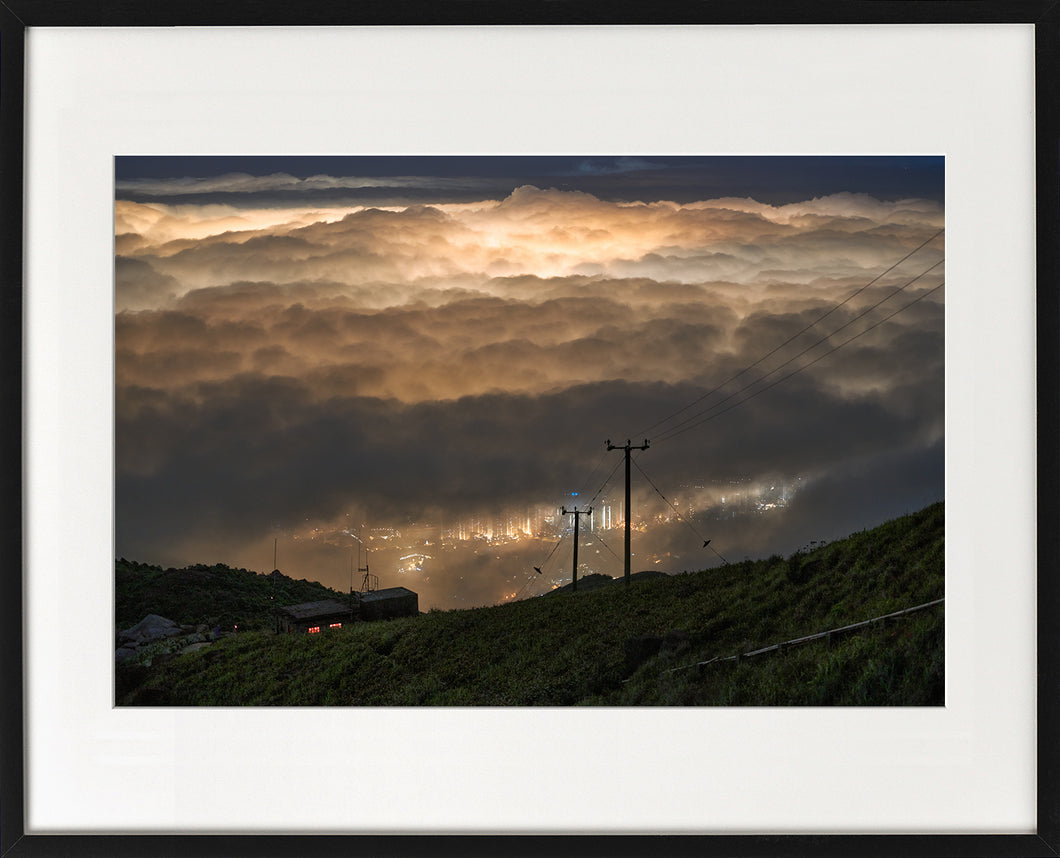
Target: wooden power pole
x=575, y=512
x=629, y=512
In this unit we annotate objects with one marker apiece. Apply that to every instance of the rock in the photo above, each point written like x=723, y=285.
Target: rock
x=124, y=653
x=195, y=647
x=150, y=628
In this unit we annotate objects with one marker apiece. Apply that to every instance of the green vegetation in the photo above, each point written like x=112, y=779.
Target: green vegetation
x=210, y=595
x=621, y=646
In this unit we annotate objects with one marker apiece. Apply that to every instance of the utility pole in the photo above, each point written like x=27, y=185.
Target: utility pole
x=575, y=512
x=629, y=512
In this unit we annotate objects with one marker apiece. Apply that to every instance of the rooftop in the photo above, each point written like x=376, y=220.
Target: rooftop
x=388, y=593
x=308, y=610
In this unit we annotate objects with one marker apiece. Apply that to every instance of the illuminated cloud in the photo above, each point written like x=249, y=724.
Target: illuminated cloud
x=424, y=362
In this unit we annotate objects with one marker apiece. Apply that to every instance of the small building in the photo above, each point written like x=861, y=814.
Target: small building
x=388, y=603
x=314, y=617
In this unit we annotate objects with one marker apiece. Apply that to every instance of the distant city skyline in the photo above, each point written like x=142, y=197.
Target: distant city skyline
x=304, y=345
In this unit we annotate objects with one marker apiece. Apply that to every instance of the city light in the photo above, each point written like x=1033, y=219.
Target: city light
x=519, y=537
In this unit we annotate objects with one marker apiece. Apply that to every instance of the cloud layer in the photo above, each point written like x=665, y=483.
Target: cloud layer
x=286, y=368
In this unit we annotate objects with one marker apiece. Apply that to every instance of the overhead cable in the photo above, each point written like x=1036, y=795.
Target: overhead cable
x=790, y=339
x=667, y=436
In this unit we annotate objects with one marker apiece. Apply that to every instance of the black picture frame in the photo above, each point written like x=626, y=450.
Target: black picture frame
x=16, y=16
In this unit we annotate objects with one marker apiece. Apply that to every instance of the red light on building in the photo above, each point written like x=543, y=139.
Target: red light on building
x=335, y=626
x=314, y=630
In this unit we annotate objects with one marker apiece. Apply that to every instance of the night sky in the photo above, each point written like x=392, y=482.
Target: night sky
x=312, y=350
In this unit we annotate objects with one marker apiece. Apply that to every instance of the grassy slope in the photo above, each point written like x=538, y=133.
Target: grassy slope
x=214, y=595
x=577, y=648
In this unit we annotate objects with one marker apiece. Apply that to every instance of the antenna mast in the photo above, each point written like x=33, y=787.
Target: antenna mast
x=367, y=584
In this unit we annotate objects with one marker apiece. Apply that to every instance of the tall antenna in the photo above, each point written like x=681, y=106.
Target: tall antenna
x=367, y=584
x=369, y=581
x=352, y=564
x=272, y=577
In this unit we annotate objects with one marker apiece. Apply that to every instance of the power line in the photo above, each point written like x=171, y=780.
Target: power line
x=585, y=483
x=886, y=318
x=525, y=586
x=669, y=433
x=794, y=336
x=709, y=417
x=600, y=539
x=538, y=569
x=706, y=542
x=584, y=486
x=675, y=431
x=700, y=417
x=550, y=553
x=600, y=490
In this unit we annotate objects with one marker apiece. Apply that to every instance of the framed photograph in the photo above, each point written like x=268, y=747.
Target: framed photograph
x=319, y=314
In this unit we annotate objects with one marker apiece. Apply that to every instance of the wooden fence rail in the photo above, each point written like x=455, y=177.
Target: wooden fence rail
x=809, y=638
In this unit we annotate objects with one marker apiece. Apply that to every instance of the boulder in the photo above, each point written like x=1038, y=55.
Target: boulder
x=150, y=628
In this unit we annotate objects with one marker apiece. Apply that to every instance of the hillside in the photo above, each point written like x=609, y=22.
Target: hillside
x=614, y=645
x=209, y=595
